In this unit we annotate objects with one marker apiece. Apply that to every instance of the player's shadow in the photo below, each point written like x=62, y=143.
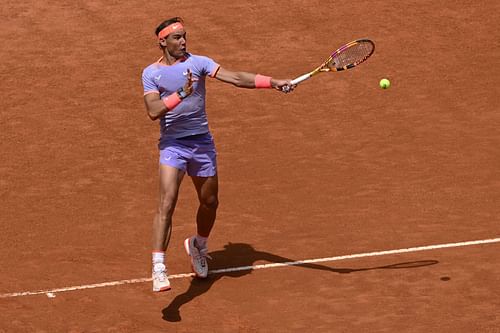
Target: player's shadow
x=240, y=258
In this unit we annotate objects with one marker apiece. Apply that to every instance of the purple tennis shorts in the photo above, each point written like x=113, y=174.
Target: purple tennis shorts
x=195, y=154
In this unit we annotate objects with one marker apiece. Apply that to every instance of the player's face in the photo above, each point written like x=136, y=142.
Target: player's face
x=176, y=43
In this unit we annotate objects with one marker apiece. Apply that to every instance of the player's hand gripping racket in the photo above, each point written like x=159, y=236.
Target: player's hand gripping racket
x=348, y=56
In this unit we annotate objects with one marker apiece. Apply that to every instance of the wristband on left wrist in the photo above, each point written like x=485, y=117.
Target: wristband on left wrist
x=262, y=81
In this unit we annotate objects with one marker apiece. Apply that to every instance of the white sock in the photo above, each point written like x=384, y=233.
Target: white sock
x=200, y=242
x=158, y=257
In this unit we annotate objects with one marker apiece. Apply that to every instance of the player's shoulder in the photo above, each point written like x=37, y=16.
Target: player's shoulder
x=151, y=68
x=198, y=58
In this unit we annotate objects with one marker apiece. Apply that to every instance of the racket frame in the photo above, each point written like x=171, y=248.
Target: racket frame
x=324, y=66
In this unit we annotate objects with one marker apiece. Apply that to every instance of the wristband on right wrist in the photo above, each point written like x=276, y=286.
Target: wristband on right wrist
x=171, y=101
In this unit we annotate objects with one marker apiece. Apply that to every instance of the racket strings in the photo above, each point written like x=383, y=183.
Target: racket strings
x=352, y=55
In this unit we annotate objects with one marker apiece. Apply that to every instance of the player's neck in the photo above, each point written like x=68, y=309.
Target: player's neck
x=168, y=59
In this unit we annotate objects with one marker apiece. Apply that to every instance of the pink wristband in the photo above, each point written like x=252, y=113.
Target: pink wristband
x=262, y=81
x=171, y=101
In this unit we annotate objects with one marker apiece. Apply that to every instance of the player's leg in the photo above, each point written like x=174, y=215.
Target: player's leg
x=207, y=189
x=202, y=168
x=170, y=180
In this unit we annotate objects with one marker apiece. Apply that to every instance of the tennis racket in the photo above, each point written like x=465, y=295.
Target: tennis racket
x=347, y=56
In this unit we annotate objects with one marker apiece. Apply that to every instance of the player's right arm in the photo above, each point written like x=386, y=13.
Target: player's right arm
x=156, y=107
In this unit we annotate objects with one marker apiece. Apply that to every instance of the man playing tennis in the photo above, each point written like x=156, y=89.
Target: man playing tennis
x=174, y=93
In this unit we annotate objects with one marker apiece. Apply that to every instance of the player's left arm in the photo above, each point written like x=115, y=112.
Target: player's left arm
x=247, y=80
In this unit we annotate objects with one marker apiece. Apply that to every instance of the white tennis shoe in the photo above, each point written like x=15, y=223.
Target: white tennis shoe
x=199, y=257
x=160, y=279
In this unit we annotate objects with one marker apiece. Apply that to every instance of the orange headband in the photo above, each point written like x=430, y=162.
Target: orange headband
x=169, y=29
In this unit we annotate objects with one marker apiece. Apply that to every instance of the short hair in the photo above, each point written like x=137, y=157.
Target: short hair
x=166, y=23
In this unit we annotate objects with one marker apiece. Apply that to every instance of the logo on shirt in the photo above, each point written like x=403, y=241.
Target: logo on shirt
x=157, y=78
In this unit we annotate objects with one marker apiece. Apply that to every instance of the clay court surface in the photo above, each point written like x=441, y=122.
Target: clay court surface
x=338, y=167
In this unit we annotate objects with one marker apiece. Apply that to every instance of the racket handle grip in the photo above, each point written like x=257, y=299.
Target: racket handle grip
x=296, y=81
x=301, y=78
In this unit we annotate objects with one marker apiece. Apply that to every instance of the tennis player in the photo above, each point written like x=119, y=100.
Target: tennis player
x=174, y=94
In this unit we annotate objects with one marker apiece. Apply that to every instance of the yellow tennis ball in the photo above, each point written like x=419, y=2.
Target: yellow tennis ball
x=384, y=83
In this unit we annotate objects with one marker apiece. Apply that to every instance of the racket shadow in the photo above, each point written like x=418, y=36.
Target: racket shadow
x=244, y=256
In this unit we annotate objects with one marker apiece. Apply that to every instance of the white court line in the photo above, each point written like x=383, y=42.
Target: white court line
x=51, y=293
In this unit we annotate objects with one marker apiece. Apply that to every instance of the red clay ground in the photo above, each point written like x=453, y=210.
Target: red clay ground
x=338, y=167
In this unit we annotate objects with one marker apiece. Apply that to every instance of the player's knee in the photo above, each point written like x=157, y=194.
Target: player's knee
x=210, y=202
x=167, y=206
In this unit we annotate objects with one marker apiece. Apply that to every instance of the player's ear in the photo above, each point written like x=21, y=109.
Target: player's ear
x=162, y=42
